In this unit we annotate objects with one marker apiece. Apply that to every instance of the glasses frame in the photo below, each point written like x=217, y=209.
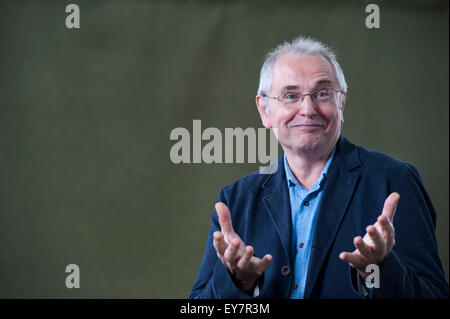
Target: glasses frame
x=302, y=97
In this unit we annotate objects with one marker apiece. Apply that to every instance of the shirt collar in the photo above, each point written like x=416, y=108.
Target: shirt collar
x=292, y=181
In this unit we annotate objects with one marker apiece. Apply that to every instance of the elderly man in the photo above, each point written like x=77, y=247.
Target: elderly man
x=332, y=213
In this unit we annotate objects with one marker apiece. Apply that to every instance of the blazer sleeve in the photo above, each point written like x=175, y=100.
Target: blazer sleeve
x=213, y=279
x=413, y=268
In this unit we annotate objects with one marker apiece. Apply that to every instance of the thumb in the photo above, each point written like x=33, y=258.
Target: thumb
x=390, y=205
x=224, y=218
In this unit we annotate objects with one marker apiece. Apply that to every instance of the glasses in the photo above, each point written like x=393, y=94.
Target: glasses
x=319, y=97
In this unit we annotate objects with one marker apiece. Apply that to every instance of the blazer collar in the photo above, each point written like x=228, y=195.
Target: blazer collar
x=277, y=204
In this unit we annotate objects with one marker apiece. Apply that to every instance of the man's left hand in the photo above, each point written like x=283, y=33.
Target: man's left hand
x=378, y=241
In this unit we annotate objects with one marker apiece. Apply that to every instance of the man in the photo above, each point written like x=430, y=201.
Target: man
x=331, y=212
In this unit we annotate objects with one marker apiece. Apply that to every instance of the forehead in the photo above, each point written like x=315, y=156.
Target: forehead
x=301, y=71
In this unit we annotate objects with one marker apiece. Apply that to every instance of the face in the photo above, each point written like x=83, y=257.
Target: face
x=306, y=127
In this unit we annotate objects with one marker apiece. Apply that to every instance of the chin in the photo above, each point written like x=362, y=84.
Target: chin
x=306, y=143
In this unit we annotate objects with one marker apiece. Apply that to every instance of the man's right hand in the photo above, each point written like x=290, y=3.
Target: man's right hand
x=238, y=258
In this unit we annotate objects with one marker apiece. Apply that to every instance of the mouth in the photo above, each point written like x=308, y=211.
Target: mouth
x=307, y=126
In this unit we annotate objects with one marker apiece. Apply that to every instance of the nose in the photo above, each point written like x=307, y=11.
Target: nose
x=307, y=106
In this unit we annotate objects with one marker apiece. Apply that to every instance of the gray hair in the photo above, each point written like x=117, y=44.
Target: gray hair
x=301, y=46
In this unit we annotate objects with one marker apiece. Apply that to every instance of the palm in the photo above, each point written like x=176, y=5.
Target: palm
x=235, y=255
x=377, y=242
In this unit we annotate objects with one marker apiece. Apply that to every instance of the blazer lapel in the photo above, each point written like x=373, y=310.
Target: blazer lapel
x=277, y=204
x=339, y=188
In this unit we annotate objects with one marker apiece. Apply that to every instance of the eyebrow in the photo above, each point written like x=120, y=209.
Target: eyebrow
x=323, y=81
x=295, y=87
x=289, y=87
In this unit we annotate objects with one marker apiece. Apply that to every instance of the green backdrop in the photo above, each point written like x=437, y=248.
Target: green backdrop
x=85, y=118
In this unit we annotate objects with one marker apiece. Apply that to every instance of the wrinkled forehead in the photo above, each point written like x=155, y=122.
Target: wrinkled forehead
x=304, y=72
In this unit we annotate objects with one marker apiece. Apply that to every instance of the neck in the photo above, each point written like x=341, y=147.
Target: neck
x=306, y=167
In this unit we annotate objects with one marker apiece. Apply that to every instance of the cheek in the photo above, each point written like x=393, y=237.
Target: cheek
x=281, y=117
x=334, y=117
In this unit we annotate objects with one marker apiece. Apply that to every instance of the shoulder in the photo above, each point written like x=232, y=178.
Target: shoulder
x=382, y=173
x=256, y=184
x=374, y=166
x=249, y=184
x=378, y=162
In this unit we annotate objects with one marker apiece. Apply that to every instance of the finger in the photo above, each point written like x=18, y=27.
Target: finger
x=219, y=242
x=245, y=259
x=375, y=235
x=354, y=259
x=263, y=264
x=344, y=256
x=222, y=259
x=224, y=218
x=390, y=205
x=363, y=248
x=387, y=229
x=231, y=253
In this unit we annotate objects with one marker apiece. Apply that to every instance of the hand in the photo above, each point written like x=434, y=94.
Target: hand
x=378, y=241
x=238, y=258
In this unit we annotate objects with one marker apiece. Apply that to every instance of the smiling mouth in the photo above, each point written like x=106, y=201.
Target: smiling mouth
x=307, y=125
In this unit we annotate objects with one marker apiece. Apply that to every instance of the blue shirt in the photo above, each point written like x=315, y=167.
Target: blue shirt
x=304, y=207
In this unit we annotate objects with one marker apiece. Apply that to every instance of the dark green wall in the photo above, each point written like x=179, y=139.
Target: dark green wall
x=85, y=118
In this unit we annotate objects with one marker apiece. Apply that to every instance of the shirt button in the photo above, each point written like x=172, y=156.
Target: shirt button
x=306, y=203
x=285, y=270
x=301, y=245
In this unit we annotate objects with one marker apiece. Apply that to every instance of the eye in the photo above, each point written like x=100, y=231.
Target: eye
x=322, y=94
x=291, y=96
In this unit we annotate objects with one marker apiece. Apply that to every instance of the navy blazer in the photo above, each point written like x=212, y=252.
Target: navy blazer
x=358, y=182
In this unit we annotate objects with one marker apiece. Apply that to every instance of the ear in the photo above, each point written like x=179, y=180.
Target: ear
x=263, y=111
x=342, y=105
